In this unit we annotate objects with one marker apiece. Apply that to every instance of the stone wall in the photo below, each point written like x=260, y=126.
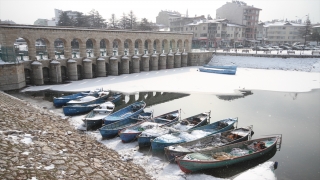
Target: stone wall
x=12, y=76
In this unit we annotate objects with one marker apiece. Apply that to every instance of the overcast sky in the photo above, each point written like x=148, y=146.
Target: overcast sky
x=28, y=11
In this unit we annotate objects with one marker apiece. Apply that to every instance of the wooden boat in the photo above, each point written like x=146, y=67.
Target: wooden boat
x=227, y=155
x=126, y=112
x=220, y=67
x=159, y=143
x=62, y=101
x=84, y=107
x=94, y=118
x=112, y=130
x=144, y=139
x=130, y=133
x=218, y=71
x=208, y=142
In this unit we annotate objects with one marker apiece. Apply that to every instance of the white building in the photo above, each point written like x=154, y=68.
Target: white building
x=165, y=17
x=276, y=33
x=71, y=14
x=45, y=22
x=215, y=33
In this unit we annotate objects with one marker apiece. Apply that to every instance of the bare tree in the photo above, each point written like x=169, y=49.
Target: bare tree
x=113, y=21
x=124, y=21
x=132, y=20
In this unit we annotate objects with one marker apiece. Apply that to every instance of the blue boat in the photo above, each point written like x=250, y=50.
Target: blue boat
x=62, y=101
x=112, y=130
x=84, y=106
x=144, y=139
x=130, y=133
x=218, y=71
x=220, y=67
x=94, y=119
x=159, y=143
x=126, y=112
x=88, y=99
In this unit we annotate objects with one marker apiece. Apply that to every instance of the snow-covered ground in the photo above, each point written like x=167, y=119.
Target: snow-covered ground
x=273, y=74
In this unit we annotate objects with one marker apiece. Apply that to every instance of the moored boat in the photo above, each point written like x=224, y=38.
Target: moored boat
x=112, y=130
x=88, y=99
x=85, y=107
x=144, y=139
x=126, y=112
x=130, y=133
x=220, y=67
x=208, y=142
x=159, y=143
x=227, y=155
x=218, y=71
x=62, y=101
x=94, y=118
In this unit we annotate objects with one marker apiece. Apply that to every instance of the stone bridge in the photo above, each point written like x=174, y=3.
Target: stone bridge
x=114, y=52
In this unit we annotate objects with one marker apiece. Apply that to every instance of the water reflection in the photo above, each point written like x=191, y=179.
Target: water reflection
x=243, y=94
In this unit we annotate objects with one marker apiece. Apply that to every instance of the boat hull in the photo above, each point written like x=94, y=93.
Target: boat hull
x=124, y=113
x=189, y=166
x=62, y=101
x=77, y=110
x=218, y=71
x=112, y=130
x=221, y=67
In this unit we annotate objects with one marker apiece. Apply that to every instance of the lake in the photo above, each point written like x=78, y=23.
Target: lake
x=294, y=115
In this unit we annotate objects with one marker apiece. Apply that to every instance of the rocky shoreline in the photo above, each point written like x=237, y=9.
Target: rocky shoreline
x=37, y=144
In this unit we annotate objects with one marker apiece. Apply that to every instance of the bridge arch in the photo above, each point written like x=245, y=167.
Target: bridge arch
x=138, y=46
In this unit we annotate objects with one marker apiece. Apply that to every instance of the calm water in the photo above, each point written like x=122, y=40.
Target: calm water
x=294, y=115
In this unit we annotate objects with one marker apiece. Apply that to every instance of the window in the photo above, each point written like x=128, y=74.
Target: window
x=196, y=28
x=218, y=27
x=186, y=29
x=218, y=35
x=204, y=28
x=195, y=35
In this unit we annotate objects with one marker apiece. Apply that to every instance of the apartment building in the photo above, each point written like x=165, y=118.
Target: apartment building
x=280, y=32
x=177, y=25
x=239, y=12
x=215, y=33
x=165, y=17
x=71, y=14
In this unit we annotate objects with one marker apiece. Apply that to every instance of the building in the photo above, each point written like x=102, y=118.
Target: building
x=239, y=12
x=71, y=14
x=165, y=17
x=215, y=33
x=45, y=22
x=7, y=22
x=177, y=24
x=280, y=32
